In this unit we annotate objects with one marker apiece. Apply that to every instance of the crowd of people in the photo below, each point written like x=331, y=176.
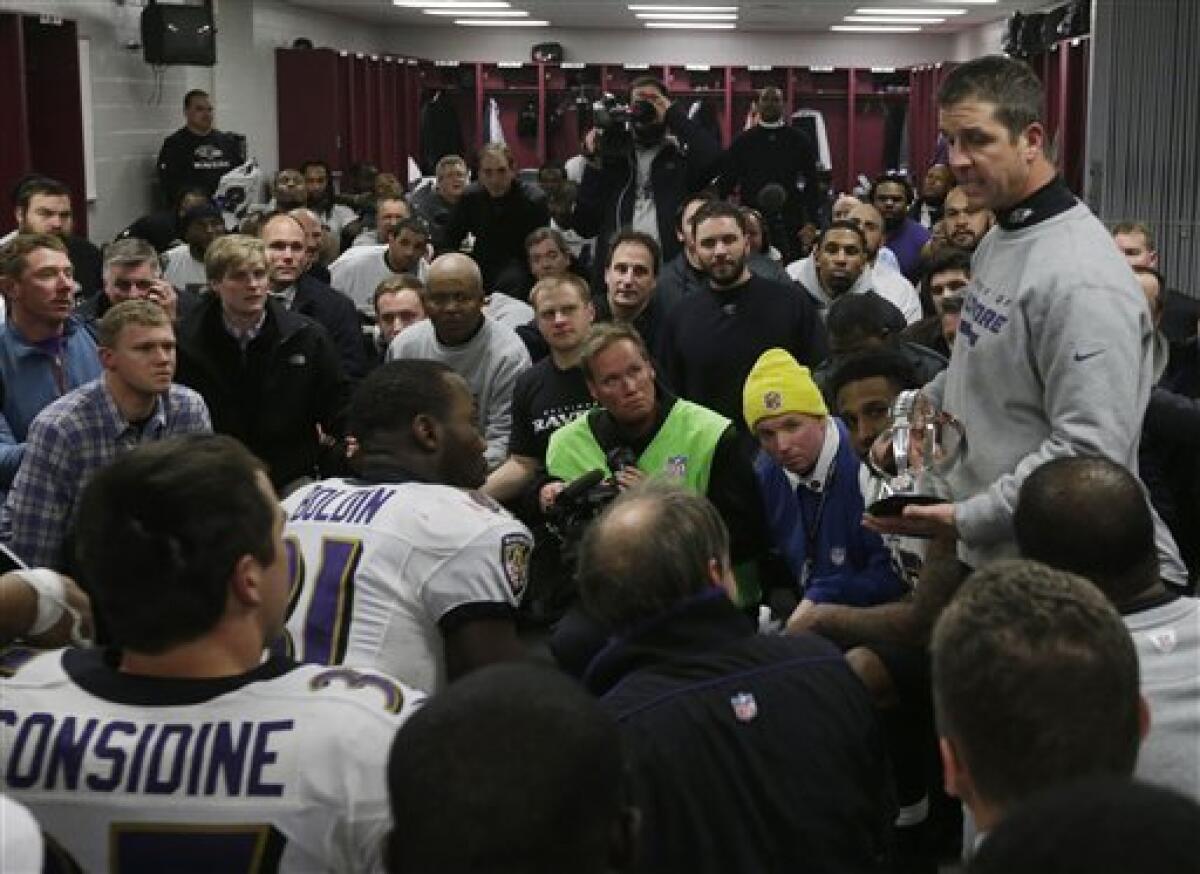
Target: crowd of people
x=515, y=527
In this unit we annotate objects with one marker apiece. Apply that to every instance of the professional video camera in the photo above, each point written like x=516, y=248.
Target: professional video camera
x=616, y=120
x=585, y=498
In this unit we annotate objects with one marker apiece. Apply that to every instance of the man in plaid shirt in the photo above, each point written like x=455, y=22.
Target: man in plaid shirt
x=133, y=401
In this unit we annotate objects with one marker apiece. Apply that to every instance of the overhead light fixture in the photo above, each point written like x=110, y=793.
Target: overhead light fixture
x=693, y=25
x=869, y=28
x=460, y=5
x=682, y=8
x=911, y=10
x=482, y=13
x=882, y=19
x=688, y=16
x=502, y=22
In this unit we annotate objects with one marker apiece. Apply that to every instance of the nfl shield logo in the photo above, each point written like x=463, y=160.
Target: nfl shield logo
x=772, y=400
x=677, y=466
x=745, y=708
x=838, y=555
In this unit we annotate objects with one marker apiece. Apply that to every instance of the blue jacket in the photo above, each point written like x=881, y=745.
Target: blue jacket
x=27, y=372
x=850, y=565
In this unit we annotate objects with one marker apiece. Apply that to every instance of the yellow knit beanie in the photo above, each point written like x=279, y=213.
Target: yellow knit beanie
x=778, y=385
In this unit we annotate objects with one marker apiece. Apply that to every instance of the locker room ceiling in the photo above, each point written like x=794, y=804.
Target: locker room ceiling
x=753, y=15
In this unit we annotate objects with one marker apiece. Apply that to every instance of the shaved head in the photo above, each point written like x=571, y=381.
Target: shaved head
x=870, y=222
x=457, y=269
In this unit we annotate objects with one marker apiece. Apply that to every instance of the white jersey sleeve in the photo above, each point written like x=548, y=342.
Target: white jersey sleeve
x=21, y=845
x=491, y=569
x=283, y=768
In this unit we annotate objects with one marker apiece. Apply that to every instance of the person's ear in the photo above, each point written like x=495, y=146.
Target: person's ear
x=245, y=582
x=426, y=431
x=955, y=778
x=1035, y=140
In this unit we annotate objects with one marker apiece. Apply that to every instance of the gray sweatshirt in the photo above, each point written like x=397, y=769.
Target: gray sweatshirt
x=1053, y=358
x=490, y=362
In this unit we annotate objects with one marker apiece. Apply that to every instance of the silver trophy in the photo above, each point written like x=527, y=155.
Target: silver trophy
x=912, y=457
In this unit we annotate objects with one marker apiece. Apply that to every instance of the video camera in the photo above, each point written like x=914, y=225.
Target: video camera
x=616, y=119
x=584, y=498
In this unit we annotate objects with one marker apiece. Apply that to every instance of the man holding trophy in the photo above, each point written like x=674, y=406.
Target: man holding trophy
x=1054, y=351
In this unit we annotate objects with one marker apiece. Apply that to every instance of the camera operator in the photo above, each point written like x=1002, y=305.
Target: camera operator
x=643, y=163
x=639, y=430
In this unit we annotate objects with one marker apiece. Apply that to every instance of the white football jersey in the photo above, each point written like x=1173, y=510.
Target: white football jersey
x=281, y=769
x=377, y=566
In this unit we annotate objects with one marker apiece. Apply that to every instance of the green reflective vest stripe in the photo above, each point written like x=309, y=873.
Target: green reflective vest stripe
x=683, y=448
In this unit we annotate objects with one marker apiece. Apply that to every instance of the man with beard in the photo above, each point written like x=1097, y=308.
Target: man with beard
x=710, y=340
x=360, y=269
x=774, y=152
x=43, y=206
x=927, y=209
x=839, y=266
x=965, y=223
x=891, y=195
x=406, y=569
x=485, y=353
x=642, y=180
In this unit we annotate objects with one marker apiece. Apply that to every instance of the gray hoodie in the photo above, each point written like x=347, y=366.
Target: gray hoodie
x=1054, y=357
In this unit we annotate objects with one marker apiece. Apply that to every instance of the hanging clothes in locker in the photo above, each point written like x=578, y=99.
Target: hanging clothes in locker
x=493, y=132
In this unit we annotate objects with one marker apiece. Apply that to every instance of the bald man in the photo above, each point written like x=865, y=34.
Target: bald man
x=486, y=354
x=314, y=244
x=774, y=152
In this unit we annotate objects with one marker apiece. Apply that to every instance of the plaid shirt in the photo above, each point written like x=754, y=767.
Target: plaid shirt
x=70, y=440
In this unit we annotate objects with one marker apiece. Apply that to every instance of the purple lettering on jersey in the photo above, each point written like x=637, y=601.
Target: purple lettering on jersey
x=373, y=505
x=193, y=785
x=139, y=755
x=327, y=622
x=155, y=784
x=67, y=753
x=8, y=717
x=262, y=758
x=228, y=758
x=41, y=724
x=348, y=506
x=318, y=510
x=117, y=755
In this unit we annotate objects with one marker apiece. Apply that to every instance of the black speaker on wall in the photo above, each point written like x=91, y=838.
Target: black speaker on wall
x=179, y=35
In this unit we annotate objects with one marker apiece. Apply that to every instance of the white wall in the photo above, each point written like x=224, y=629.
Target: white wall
x=130, y=114
x=979, y=41
x=716, y=47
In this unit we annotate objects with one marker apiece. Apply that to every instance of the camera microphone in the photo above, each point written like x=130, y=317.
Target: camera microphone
x=579, y=486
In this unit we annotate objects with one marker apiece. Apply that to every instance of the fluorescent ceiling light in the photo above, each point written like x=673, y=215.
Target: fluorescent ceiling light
x=688, y=16
x=912, y=10
x=678, y=8
x=882, y=19
x=501, y=22
x=694, y=25
x=488, y=13
x=460, y=5
x=867, y=28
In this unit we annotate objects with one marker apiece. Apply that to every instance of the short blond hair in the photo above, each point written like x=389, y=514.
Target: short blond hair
x=144, y=313
x=604, y=336
x=569, y=280
x=231, y=252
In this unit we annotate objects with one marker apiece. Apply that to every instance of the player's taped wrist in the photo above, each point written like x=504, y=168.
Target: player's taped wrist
x=51, y=602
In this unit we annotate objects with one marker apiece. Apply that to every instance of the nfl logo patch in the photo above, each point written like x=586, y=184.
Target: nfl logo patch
x=677, y=466
x=745, y=708
x=838, y=555
x=772, y=400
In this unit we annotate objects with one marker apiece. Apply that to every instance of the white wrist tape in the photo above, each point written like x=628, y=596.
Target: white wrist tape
x=52, y=598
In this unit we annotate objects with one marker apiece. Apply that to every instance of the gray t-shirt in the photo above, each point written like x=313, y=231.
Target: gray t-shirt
x=645, y=211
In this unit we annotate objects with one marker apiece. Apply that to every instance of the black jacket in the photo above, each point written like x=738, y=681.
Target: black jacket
x=606, y=196
x=273, y=396
x=500, y=226
x=749, y=752
x=679, y=278
x=337, y=314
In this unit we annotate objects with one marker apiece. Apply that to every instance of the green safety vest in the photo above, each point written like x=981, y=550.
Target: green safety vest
x=683, y=448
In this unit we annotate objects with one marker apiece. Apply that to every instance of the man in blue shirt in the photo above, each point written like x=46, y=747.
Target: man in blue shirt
x=83, y=431
x=44, y=351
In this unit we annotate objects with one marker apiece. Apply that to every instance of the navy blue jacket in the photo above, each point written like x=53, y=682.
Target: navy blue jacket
x=850, y=565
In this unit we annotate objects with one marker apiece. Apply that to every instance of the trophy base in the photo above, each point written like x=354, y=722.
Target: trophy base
x=893, y=505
